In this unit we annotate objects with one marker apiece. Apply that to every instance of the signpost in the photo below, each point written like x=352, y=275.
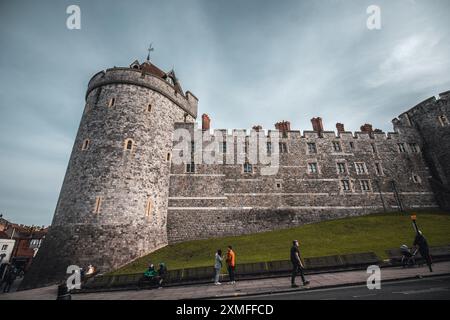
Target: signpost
x=413, y=218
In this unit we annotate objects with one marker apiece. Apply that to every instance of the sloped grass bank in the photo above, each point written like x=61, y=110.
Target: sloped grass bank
x=376, y=232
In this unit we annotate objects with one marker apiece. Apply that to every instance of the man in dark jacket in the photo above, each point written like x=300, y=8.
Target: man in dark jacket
x=10, y=278
x=297, y=265
x=422, y=244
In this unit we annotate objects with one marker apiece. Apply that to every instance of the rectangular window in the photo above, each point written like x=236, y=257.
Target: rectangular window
x=223, y=147
x=190, y=167
x=283, y=147
x=192, y=148
x=360, y=167
x=352, y=145
x=248, y=168
x=365, y=185
x=341, y=167
x=443, y=120
x=312, y=147
x=401, y=147
x=312, y=167
x=378, y=169
x=246, y=147
x=414, y=147
x=269, y=147
x=345, y=185
x=416, y=178
x=337, y=146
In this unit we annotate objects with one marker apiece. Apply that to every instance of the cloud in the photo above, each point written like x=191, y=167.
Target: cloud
x=249, y=62
x=417, y=58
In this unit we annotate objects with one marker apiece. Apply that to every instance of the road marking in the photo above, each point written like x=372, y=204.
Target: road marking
x=365, y=295
x=422, y=291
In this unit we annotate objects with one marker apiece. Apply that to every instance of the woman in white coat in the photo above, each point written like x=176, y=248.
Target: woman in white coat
x=218, y=266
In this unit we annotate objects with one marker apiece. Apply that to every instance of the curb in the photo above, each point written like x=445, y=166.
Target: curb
x=316, y=288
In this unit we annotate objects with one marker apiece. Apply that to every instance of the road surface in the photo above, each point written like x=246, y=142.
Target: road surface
x=437, y=288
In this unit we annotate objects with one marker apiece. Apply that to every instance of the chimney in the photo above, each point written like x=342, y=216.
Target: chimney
x=340, y=127
x=317, y=124
x=206, y=122
x=366, y=128
x=257, y=128
x=283, y=126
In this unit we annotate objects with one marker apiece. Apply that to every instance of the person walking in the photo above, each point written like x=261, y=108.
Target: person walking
x=297, y=265
x=421, y=243
x=231, y=263
x=10, y=278
x=217, y=266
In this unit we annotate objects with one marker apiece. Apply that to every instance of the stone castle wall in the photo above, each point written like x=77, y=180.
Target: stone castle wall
x=430, y=121
x=235, y=203
x=117, y=204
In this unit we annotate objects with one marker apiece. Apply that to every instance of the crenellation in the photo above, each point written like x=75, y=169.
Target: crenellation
x=124, y=196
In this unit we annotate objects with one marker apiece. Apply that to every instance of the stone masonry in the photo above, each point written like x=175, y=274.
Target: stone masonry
x=123, y=197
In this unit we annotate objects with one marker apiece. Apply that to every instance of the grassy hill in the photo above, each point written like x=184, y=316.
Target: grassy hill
x=376, y=232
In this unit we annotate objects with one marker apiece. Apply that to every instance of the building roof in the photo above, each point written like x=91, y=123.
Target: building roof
x=4, y=235
x=150, y=68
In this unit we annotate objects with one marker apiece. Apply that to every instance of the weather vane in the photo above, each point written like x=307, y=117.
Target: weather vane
x=150, y=49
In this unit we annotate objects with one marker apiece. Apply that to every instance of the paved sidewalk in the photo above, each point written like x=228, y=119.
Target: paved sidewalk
x=269, y=285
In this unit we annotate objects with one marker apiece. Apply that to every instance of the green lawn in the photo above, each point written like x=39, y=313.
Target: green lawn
x=376, y=232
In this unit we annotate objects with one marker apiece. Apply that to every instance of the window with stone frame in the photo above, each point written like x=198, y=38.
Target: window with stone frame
x=345, y=185
x=416, y=178
x=414, y=147
x=269, y=147
x=85, y=144
x=312, y=167
x=360, y=168
x=128, y=144
x=248, y=168
x=378, y=169
x=98, y=204
x=443, y=120
x=149, y=208
x=312, y=147
x=111, y=102
x=401, y=147
x=341, y=168
x=352, y=145
x=365, y=185
x=283, y=147
x=337, y=146
x=223, y=147
x=192, y=148
x=190, y=167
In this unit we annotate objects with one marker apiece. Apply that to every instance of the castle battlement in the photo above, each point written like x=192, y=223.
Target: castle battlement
x=137, y=77
x=124, y=195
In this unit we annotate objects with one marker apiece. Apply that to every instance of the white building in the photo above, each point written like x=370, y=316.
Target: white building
x=6, y=249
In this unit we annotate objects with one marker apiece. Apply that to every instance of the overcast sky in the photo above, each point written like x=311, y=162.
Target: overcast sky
x=248, y=61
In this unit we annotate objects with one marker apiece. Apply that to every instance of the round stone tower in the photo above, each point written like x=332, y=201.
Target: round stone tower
x=112, y=206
